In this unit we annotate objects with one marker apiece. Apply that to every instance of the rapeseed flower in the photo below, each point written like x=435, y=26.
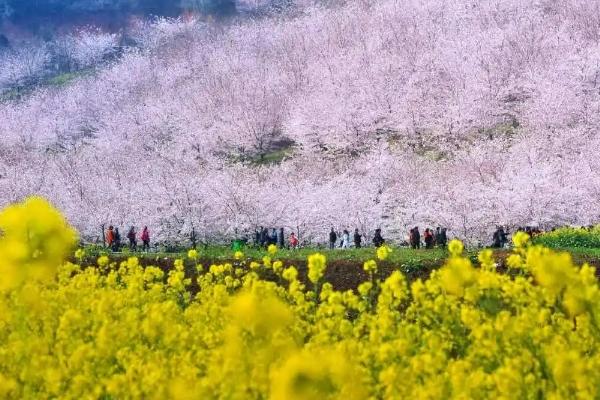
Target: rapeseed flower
x=383, y=252
x=236, y=331
x=455, y=247
x=316, y=267
x=192, y=254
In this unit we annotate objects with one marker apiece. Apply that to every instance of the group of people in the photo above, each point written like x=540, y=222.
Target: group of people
x=432, y=238
x=112, y=239
x=500, y=238
x=264, y=238
x=344, y=237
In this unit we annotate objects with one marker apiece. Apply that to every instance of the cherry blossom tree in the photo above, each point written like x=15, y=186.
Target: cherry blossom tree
x=360, y=115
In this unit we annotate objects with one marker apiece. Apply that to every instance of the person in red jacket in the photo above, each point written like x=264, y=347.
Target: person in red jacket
x=428, y=239
x=110, y=237
x=293, y=241
x=145, y=239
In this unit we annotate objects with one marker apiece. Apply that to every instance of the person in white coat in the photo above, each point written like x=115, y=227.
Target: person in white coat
x=345, y=239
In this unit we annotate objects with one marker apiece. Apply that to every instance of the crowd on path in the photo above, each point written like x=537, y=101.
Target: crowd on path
x=263, y=237
x=112, y=239
x=431, y=238
x=357, y=239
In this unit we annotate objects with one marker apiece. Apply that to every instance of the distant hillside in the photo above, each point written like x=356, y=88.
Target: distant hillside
x=16, y=10
x=44, y=17
x=361, y=115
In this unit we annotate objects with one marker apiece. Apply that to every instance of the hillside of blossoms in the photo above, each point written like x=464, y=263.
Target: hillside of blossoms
x=361, y=114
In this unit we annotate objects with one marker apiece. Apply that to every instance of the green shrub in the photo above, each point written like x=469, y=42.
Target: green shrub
x=571, y=237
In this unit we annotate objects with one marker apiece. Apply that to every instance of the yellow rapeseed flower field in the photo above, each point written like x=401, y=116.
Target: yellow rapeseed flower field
x=255, y=331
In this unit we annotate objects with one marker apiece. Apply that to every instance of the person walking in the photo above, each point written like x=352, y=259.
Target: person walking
x=332, y=239
x=378, y=240
x=438, y=237
x=281, y=239
x=504, y=237
x=345, y=239
x=273, y=237
x=264, y=237
x=145, y=239
x=417, y=238
x=357, y=239
x=131, y=235
x=110, y=237
x=257, y=237
x=496, y=238
x=193, y=238
x=117, y=241
x=444, y=237
x=428, y=239
x=293, y=241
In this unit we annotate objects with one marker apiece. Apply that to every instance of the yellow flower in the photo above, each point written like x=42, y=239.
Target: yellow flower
x=520, y=239
x=192, y=254
x=364, y=288
x=238, y=255
x=485, y=257
x=456, y=275
x=272, y=249
x=254, y=265
x=266, y=261
x=370, y=266
x=333, y=377
x=455, y=247
x=316, y=267
x=103, y=261
x=277, y=266
x=514, y=261
x=35, y=238
x=290, y=274
x=178, y=264
x=383, y=252
x=574, y=301
x=79, y=254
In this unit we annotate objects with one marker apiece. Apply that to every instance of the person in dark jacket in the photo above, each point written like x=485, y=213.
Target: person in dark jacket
x=193, y=238
x=417, y=238
x=503, y=237
x=357, y=239
x=131, y=235
x=117, y=241
x=499, y=238
x=264, y=236
x=378, y=240
x=496, y=238
x=438, y=237
x=273, y=237
x=444, y=237
x=332, y=238
x=257, y=237
x=280, y=239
